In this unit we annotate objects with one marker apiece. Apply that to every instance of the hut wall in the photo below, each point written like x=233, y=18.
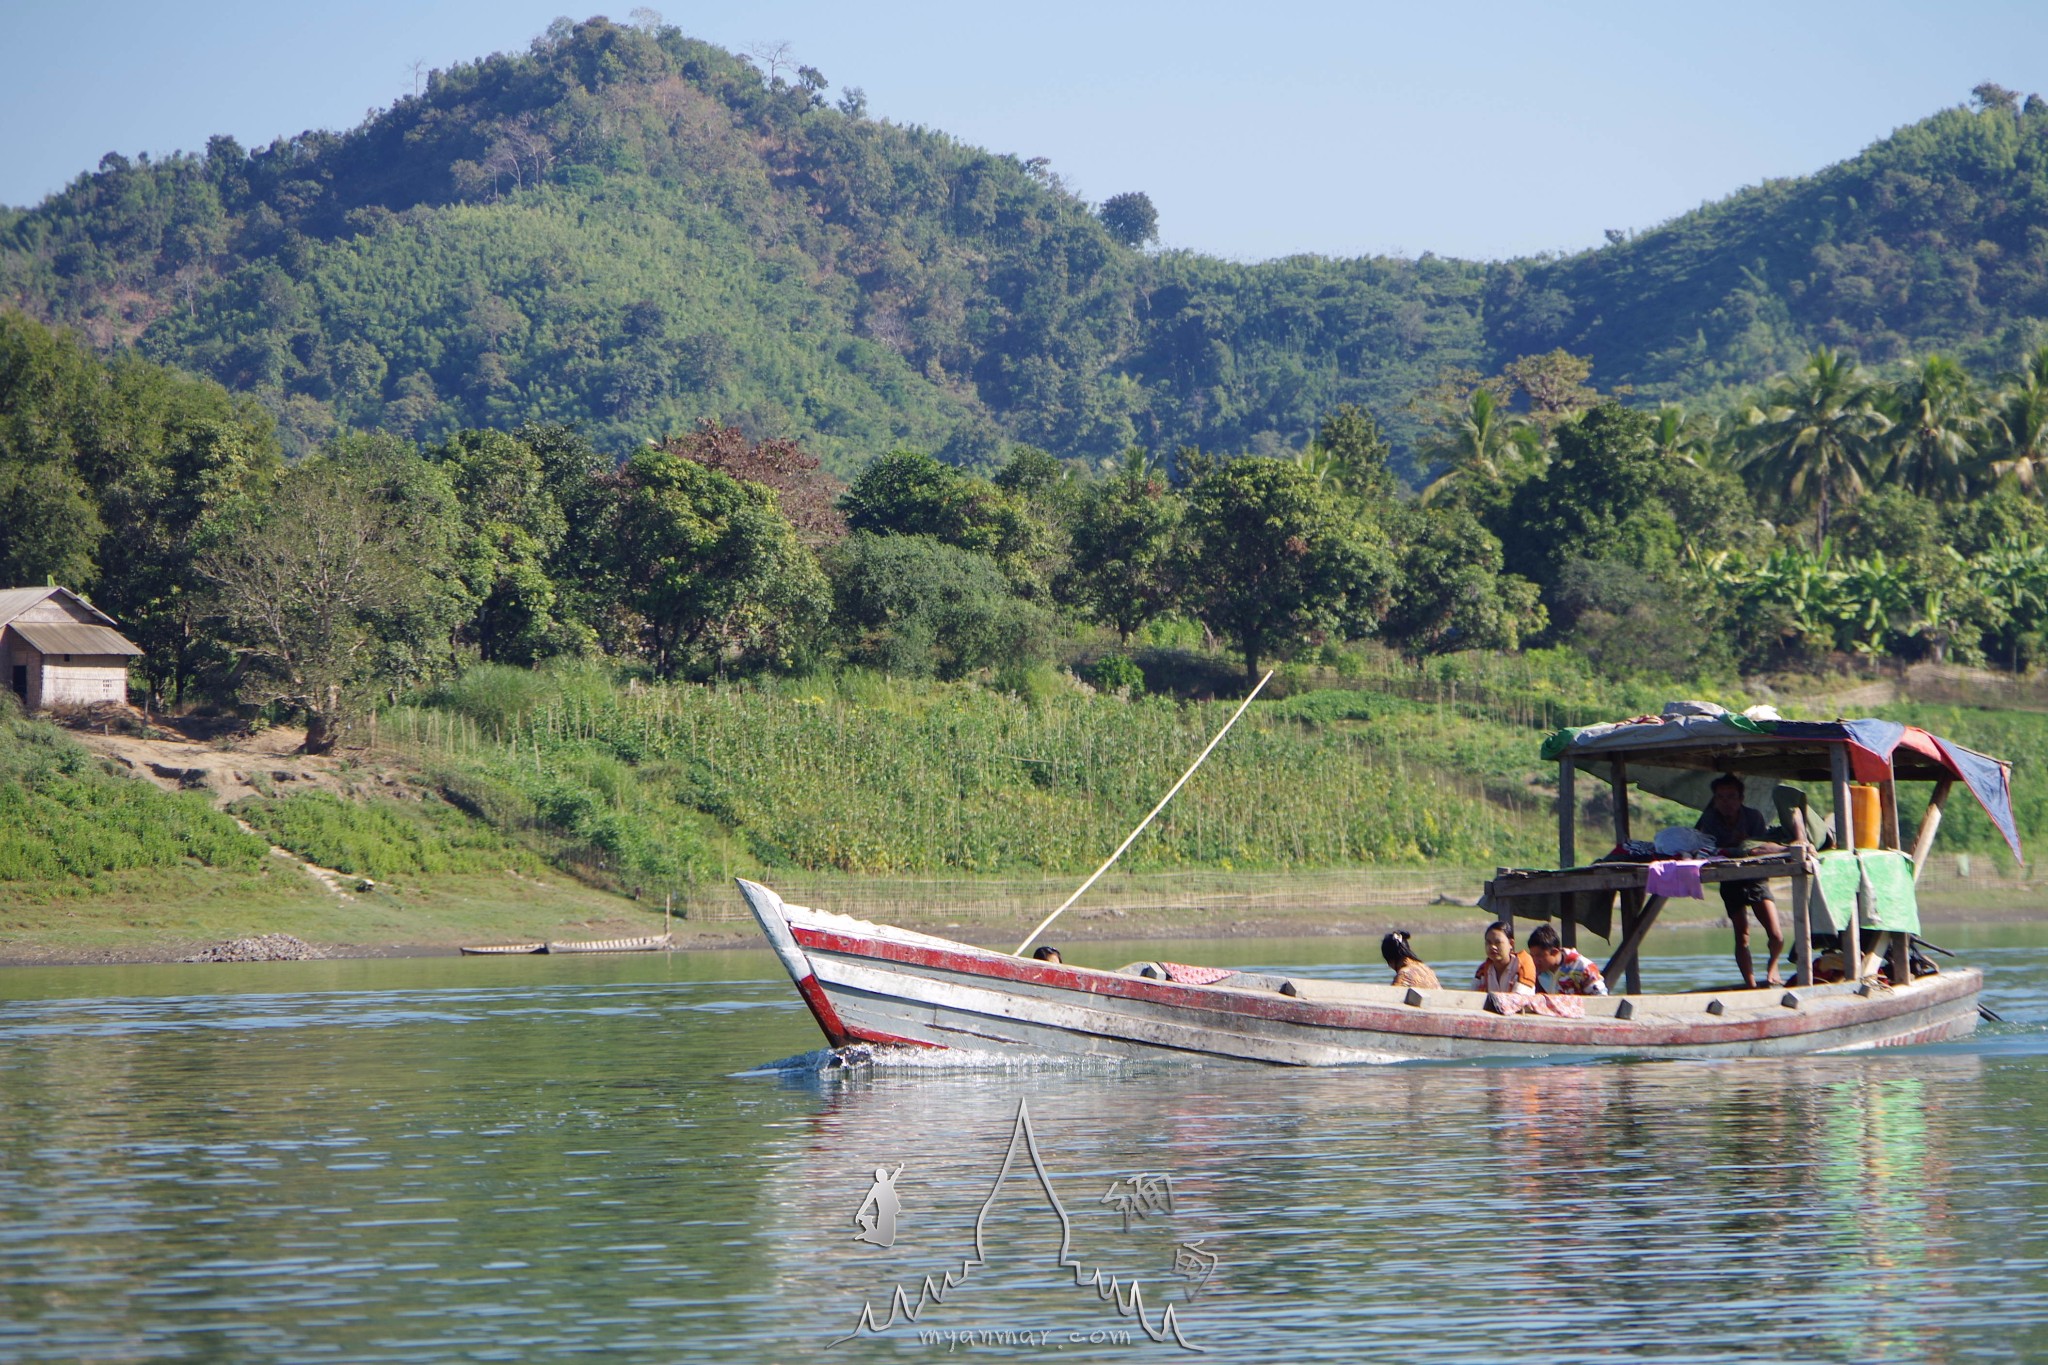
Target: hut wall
x=82, y=679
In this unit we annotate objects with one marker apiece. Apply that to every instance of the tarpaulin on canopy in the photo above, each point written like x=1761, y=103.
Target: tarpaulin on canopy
x=1678, y=756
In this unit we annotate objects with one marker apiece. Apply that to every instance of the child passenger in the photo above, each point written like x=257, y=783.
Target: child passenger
x=1505, y=970
x=1409, y=970
x=1570, y=972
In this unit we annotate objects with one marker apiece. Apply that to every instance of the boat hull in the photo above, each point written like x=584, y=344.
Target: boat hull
x=869, y=983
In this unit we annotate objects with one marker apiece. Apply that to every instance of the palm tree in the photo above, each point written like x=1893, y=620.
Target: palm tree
x=1686, y=438
x=1485, y=442
x=1937, y=432
x=2020, y=430
x=1815, y=435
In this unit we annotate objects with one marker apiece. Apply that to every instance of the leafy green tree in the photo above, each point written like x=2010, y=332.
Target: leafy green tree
x=1450, y=589
x=1125, y=566
x=1130, y=218
x=916, y=606
x=1273, y=562
x=1350, y=455
x=713, y=567
x=1597, y=500
x=908, y=493
x=513, y=529
x=1936, y=430
x=1815, y=435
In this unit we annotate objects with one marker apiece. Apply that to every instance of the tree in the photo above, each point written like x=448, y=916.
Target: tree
x=1353, y=454
x=1555, y=385
x=1936, y=430
x=513, y=529
x=916, y=606
x=1485, y=444
x=908, y=493
x=341, y=581
x=1124, y=570
x=1130, y=218
x=1814, y=434
x=2019, y=433
x=713, y=567
x=1597, y=500
x=1451, y=592
x=1274, y=562
x=807, y=495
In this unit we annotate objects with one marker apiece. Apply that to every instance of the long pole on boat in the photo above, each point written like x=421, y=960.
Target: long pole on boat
x=1046, y=923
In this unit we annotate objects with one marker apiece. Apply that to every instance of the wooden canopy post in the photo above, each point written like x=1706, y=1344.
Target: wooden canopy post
x=1929, y=823
x=1802, y=902
x=1845, y=839
x=1631, y=901
x=1888, y=814
x=1567, y=848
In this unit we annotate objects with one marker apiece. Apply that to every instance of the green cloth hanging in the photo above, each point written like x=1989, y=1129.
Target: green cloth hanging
x=1888, y=874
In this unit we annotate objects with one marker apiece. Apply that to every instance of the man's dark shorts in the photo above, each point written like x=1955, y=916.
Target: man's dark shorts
x=1737, y=896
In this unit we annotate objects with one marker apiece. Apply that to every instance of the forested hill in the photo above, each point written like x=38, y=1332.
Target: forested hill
x=632, y=229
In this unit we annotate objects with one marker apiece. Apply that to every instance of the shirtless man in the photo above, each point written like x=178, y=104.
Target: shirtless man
x=1730, y=824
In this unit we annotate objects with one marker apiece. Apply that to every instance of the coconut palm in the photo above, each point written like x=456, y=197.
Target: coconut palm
x=1485, y=442
x=1687, y=438
x=2020, y=430
x=1938, y=433
x=1815, y=435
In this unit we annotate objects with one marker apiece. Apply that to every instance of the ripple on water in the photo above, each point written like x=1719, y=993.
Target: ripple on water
x=566, y=1160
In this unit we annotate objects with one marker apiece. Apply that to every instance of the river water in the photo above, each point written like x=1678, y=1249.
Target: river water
x=557, y=1158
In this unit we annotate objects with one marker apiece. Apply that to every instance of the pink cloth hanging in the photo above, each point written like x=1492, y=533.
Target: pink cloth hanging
x=1676, y=877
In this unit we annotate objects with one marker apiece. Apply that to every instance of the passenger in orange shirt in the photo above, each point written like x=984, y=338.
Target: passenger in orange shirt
x=1505, y=970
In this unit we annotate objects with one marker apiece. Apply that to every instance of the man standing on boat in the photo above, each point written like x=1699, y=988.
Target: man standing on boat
x=1731, y=825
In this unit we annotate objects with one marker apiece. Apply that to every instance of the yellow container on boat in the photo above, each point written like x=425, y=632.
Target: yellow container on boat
x=1863, y=813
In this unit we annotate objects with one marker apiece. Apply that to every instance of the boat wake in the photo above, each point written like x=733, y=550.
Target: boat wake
x=870, y=1058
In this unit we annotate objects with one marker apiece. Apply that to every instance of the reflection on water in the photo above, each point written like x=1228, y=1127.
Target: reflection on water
x=442, y=1161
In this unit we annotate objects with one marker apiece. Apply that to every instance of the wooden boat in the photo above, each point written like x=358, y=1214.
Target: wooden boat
x=879, y=984
x=502, y=949
x=650, y=943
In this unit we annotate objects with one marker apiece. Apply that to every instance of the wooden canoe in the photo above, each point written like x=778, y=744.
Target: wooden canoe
x=652, y=943
x=502, y=949
x=877, y=984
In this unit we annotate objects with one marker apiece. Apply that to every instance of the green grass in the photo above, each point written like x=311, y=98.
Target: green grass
x=67, y=825
x=385, y=839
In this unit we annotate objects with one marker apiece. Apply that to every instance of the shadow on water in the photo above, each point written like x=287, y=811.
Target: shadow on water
x=442, y=1161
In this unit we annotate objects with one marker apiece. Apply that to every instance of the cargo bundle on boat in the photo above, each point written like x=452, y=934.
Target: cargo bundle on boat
x=1850, y=876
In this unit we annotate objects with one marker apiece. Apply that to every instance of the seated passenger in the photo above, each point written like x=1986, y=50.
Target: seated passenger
x=1047, y=953
x=1570, y=972
x=1505, y=970
x=1409, y=970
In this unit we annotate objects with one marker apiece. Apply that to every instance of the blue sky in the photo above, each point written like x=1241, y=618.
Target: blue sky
x=1259, y=129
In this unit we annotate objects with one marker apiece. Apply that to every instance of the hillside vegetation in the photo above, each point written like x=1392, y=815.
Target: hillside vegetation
x=631, y=229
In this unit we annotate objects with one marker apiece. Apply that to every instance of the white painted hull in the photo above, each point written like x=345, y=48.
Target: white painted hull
x=878, y=984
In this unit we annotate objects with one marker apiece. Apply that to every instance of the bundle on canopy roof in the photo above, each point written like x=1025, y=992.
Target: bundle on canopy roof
x=1677, y=756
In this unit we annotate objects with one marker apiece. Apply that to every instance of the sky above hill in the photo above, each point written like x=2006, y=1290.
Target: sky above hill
x=1480, y=130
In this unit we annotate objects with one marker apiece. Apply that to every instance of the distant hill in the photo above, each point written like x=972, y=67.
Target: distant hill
x=633, y=229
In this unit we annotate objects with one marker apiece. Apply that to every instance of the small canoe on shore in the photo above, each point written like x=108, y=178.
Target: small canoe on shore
x=652, y=943
x=502, y=949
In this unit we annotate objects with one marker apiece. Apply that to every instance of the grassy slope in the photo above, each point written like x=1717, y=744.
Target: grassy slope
x=661, y=790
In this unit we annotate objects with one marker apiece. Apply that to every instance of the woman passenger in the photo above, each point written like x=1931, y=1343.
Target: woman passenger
x=1409, y=970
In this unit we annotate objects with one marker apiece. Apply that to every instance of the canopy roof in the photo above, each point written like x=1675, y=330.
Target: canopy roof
x=1676, y=755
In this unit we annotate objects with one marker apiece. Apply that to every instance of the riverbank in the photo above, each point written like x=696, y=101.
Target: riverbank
x=440, y=920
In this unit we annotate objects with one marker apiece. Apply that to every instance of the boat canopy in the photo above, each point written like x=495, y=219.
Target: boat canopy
x=1678, y=756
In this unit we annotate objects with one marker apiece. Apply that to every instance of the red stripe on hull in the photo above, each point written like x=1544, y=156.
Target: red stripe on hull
x=1395, y=1020
x=837, y=1034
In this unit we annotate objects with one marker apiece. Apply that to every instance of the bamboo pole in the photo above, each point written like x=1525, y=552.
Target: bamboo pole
x=1929, y=823
x=1132, y=837
x=1567, y=849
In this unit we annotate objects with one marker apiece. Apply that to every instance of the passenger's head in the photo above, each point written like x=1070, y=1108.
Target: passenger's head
x=1500, y=943
x=1396, y=949
x=1047, y=953
x=1728, y=794
x=1545, y=947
